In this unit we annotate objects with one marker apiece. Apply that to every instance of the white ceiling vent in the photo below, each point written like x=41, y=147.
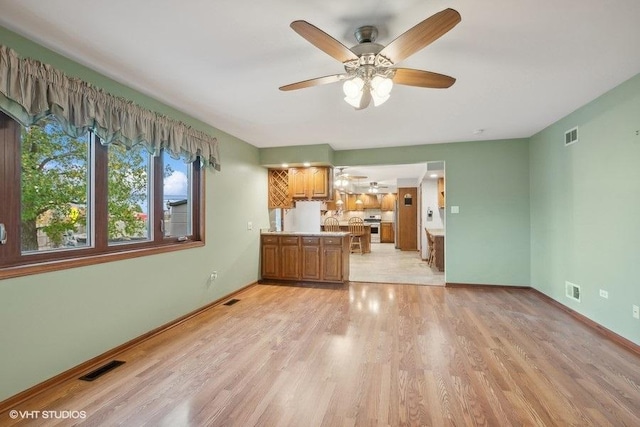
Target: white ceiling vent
x=571, y=136
x=572, y=291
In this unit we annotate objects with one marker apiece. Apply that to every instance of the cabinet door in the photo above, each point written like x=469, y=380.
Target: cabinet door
x=388, y=202
x=318, y=183
x=297, y=183
x=332, y=265
x=311, y=258
x=386, y=232
x=371, y=201
x=270, y=261
x=290, y=257
x=351, y=203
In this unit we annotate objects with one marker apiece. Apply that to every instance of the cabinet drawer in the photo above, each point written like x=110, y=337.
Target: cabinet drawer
x=332, y=240
x=289, y=240
x=311, y=241
x=270, y=239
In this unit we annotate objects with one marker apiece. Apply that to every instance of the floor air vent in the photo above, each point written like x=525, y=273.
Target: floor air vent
x=101, y=370
x=231, y=302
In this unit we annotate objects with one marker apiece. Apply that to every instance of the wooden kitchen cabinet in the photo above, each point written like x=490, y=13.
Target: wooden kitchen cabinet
x=388, y=202
x=313, y=258
x=290, y=255
x=441, y=199
x=333, y=255
x=297, y=183
x=311, y=183
x=351, y=203
x=270, y=256
x=371, y=201
x=279, y=189
x=386, y=232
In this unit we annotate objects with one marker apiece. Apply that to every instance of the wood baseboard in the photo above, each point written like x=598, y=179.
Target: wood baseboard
x=87, y=366
x=484, y=286
x=618, y=339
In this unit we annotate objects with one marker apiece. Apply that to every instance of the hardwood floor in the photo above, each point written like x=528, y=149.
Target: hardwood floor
x=366, y=355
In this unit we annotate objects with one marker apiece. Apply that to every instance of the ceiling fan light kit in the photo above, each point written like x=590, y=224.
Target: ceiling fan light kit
x=370, y=71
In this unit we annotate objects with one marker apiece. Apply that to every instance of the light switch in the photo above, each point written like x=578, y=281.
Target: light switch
x=249, y=225
x=455, y=209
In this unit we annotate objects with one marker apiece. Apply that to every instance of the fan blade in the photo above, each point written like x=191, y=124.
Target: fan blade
x=421, y=78
x=421, y=35
x=323, y=41
x=314, y=82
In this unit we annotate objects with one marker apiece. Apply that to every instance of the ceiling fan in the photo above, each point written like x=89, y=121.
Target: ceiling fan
x=374, y=187
x=370, y=69
x=342, y=180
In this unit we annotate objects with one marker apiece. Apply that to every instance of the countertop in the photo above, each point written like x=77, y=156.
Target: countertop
x=306, y=233
x=436, y=231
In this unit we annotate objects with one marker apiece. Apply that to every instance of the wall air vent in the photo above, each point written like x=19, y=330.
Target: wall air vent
x=571, y=136
x=572, y=291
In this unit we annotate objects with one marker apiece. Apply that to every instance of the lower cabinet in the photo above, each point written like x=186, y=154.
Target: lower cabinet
x=270, y=256
x=290, y=258
x=386, y=232
x=332, y=254
x=311, y=258
x=305, y=258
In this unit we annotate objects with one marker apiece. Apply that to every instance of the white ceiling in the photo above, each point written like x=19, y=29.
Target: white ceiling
x=520, y=65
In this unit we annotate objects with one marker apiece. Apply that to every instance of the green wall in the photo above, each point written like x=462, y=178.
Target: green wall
x=73, y=315
x=585, y=209
x=532, y=212
x=488, y=241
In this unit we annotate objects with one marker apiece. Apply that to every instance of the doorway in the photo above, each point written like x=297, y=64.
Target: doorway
x=386, y=263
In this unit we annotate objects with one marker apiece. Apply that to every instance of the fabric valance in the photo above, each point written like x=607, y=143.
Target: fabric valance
x=31, y=90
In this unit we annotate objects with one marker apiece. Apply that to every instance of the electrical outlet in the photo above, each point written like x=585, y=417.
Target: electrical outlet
x=636, y=312
x=604, y=294
x=213, y=276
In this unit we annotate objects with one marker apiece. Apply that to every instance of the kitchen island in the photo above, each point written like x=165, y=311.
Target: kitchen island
x=305, y=256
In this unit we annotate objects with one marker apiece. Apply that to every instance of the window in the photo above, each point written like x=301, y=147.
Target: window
x=77, y=202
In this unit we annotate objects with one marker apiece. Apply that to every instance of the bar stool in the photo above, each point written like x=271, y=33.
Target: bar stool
x=431, y=256
x=331, y=224
x=356, y=231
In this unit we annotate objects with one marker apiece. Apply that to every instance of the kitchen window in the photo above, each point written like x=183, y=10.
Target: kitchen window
x=70, y=201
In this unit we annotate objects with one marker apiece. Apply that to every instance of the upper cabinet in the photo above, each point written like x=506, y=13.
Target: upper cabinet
x=319, y=183
x=352, y=204
x=287, y=185
x=441, y=200
x=371, y=201
x=388, y=202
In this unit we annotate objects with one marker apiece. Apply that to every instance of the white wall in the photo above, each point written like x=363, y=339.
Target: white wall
x=429, y=201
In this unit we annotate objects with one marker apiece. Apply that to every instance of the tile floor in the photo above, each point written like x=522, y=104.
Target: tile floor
x=386, y=264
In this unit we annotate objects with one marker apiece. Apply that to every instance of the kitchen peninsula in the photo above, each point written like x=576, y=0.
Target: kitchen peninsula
x=366, y=237
x=305, y=256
